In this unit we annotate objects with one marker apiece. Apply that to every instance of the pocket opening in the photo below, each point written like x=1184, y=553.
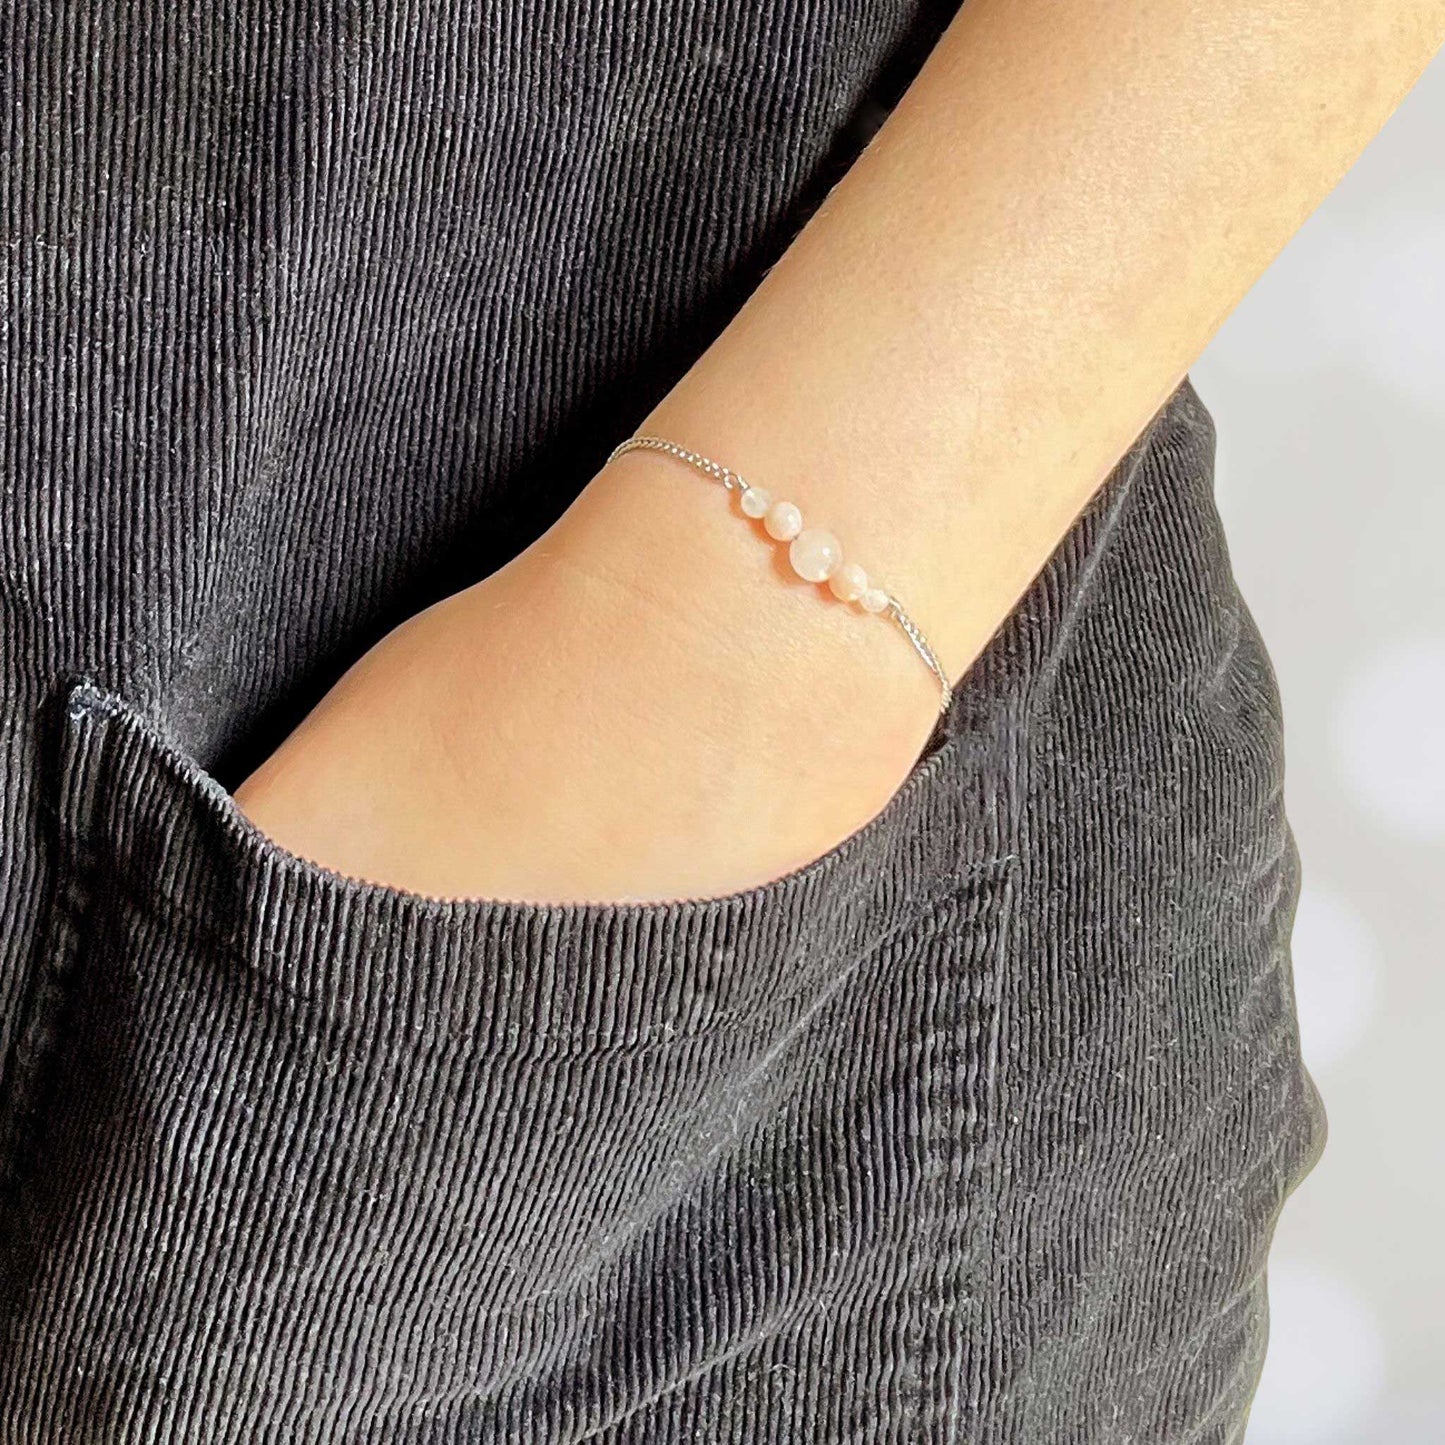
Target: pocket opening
x=164, y=833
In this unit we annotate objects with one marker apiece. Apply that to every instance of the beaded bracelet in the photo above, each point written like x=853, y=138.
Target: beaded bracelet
x=816, y=554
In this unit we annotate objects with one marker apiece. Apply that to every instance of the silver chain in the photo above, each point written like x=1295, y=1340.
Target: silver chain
x=734, y=482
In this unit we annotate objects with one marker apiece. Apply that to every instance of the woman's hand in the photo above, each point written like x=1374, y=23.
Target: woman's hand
x=642, y=705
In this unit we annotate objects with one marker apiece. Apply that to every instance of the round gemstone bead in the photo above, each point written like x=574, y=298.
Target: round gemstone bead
x=755, y=502
x=848, y=582
x=815, y=554
x=783, y=522
x=875, y=599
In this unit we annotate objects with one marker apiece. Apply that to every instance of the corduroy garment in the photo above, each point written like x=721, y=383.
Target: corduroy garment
x=974, y=1130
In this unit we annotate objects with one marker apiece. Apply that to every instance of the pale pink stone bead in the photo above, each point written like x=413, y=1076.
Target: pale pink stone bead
x=755, y=502
x=875, y=599
x=848, y=582
x=783, y=522
x=815, y=553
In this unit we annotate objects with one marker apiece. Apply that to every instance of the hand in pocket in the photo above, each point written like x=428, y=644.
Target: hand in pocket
x=588, y=725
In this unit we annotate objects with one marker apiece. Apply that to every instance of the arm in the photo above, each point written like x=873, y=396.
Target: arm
x=942, y=368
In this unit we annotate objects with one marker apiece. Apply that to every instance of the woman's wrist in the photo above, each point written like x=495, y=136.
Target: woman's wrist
x=784, y=656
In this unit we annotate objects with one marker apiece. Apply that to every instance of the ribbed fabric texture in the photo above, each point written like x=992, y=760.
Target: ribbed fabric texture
x=975, y=1130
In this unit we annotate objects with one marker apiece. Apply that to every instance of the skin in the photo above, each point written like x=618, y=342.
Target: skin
x=943, y=368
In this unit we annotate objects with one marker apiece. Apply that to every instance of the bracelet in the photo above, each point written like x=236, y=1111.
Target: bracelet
x=816, y=554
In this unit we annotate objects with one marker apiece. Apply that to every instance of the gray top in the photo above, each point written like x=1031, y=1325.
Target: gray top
x=974, y=1130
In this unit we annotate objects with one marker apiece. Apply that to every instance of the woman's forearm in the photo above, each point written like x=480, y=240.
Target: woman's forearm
x=1016, y=273
x=942, y=369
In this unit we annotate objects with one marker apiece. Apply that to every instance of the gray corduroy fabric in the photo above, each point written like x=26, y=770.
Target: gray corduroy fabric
x=975, y=1130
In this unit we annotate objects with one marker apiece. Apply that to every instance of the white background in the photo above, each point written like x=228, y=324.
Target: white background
x=1327, y=386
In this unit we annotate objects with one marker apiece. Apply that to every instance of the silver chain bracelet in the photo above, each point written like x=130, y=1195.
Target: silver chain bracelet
x=816, y=554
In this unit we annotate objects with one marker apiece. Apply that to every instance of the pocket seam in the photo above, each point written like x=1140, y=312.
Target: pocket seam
x=56, y=962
